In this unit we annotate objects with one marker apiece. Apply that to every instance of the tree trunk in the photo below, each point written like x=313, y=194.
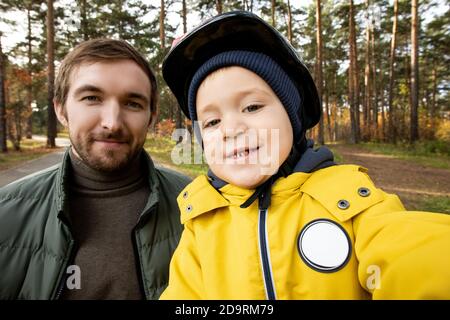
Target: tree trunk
x=433, y=99
x=374, y=81
x=51, y=120
x=367, y=84
x=162, y=33
x=335, y=109
x=273, y=12
x=405, y=133
x=383, y=101
x=392, y=114
x=179, y=116
x=29, y=112
x=319, y=75
x=289, y=26
x=414, y=118
x=121, y=21
x=219, y=6
x=84, y=24
x=327, y=109
x=353, y=79
x=3, y=130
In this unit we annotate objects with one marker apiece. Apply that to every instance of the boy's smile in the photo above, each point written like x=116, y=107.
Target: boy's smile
x=245, y=129
x=242, y=152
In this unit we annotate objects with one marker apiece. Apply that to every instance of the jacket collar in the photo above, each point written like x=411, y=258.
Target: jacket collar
x=63, y=178
x=201, y=197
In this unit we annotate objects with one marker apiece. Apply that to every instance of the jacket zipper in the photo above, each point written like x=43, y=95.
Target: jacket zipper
x=63, y=280
x=137, y=257
x=265, y=256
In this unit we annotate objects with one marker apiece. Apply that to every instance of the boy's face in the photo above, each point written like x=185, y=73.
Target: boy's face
x=245, y=129
x=107, y=112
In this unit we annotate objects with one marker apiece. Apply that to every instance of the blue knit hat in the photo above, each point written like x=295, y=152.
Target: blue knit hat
x=265, y=67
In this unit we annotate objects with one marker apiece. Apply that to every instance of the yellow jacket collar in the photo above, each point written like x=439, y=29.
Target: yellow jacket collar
x=337, y=188
x=200, y=196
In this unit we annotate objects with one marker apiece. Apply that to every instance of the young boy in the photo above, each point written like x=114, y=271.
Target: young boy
x=309, y=229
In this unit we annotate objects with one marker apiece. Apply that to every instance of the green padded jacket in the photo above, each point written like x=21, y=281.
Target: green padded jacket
x=36, y=244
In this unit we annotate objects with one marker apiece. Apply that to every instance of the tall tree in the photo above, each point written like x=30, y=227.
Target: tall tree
x=30, y=8
x=84, y=19
x=374, y=78
x=367, y=82
x=414, y=119
x=219, y=6
x=29, y=85
x=392, y=114
x=3, y=132
x=289, y=26
x=434, y=44
x=273, y=10
x=51, y=120
x=319, y=74
x=353, y=77
x=249, y=6
x=179, y=115
x=162, y=33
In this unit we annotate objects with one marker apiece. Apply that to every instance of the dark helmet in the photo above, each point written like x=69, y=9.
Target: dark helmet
x=239, y=30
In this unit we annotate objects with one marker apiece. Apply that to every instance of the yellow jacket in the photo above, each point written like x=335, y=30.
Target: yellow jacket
x=330, y=234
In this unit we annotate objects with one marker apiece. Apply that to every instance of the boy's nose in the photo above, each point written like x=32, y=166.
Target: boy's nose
x=232, y=128
x=232, y=133
x=111, y=116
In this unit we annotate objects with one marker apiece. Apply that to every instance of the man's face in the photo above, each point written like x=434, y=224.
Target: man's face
x=245, y=129
x=107, y=112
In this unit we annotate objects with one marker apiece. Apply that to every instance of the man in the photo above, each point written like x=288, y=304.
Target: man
x=104, y=223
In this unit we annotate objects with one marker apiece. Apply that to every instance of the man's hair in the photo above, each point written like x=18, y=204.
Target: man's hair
x=102, y=50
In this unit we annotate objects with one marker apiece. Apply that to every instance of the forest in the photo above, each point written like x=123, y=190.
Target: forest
x=381, y=67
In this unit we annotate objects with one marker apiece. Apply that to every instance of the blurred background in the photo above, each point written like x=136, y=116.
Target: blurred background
x=381, y=67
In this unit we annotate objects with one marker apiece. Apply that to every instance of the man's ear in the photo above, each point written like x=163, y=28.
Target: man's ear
x=153, y=116
x=60, y=113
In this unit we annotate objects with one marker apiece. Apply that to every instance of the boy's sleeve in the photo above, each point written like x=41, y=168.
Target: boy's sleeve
x=403, y=254
x=185, y=277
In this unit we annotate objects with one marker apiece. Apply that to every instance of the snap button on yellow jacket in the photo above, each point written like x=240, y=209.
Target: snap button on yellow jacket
x=394, y=254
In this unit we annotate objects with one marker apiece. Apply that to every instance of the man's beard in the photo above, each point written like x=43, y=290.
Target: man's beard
x=108, y=160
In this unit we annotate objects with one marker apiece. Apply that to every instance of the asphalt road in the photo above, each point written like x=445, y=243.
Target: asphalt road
x=35, y=165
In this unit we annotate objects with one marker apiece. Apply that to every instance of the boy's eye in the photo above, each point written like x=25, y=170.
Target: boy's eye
x=253, y=108
x=211, y=123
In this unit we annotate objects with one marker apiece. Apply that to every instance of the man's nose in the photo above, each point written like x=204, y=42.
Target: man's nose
x=111, y=116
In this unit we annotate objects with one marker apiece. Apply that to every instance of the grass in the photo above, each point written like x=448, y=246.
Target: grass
x=30, y=149
x=430, y=153
x=434, y=204
x=161, y=150
x=337, y=157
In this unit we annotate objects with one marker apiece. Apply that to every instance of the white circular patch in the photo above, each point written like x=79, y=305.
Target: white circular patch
x=324, y=245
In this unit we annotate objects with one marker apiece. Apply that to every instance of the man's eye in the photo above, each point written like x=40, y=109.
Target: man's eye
x=134, y=105
x=211, y=123
x=253, y=108
x=91, y=98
